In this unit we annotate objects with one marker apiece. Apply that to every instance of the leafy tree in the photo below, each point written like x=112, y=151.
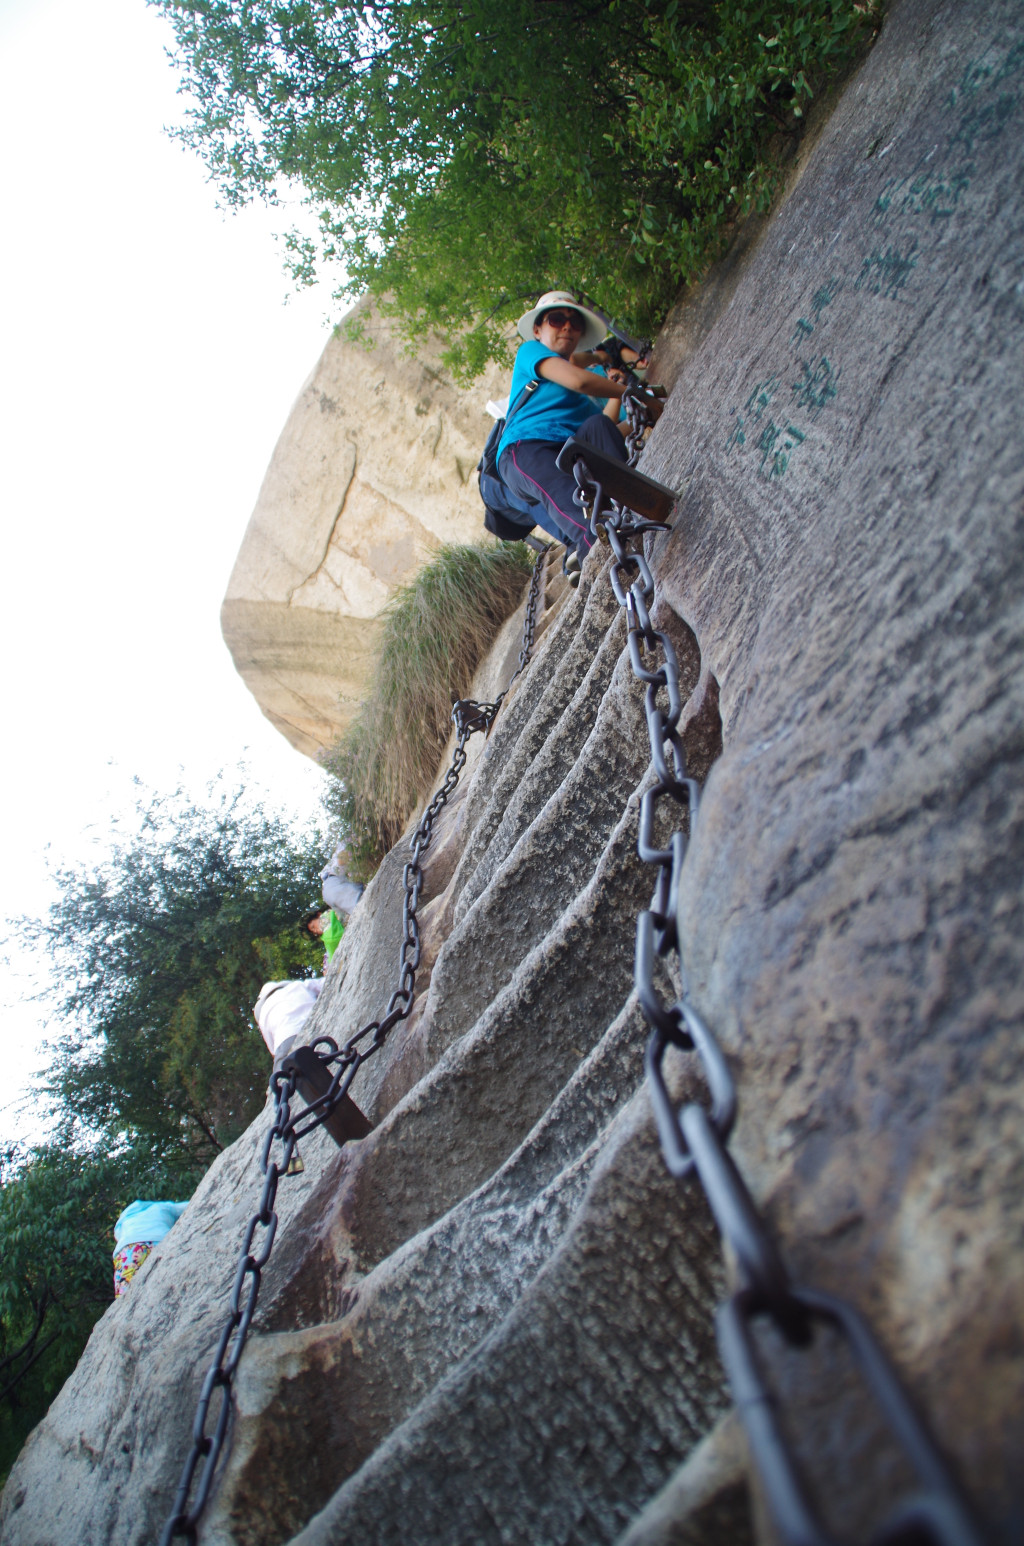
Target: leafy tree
x=57, y=1212
x=161, y=953
x=464, y=157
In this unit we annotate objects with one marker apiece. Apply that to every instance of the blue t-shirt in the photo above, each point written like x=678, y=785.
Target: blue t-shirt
x=552, y=412
x=146, y=1221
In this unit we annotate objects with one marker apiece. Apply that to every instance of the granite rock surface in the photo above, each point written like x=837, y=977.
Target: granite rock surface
x=374, y=469
x=492, y=1319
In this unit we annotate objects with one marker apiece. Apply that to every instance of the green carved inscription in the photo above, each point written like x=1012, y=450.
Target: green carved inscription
x=977, y=110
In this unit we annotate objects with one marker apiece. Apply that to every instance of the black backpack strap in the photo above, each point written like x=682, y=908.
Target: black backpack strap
x=489, y=461
x=530, y=387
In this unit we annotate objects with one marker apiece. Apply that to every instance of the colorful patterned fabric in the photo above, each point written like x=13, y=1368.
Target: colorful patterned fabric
x=127, y=1262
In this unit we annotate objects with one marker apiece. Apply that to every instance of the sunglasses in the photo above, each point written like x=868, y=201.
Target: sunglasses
x=560, y=318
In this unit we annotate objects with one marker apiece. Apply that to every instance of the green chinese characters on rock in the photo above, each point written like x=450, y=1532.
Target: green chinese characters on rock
x=775, y=422
x=752, y=411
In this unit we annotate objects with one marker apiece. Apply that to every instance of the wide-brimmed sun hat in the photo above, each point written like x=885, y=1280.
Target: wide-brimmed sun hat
x=594, y=331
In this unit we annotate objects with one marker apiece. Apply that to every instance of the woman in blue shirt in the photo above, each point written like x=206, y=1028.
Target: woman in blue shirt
x=567, y=403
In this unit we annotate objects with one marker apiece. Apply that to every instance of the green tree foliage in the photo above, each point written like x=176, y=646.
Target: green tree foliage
x=57, y=1212
x=161, y=953
x=465, y=156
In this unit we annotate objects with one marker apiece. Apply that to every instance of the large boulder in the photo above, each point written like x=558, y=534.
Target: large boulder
x=492, y=1319
x=374, y=469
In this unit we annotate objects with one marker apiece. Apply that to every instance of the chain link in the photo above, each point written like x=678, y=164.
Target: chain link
x=469, y=717
x=207, y=1447
x=694, y=1139
x=529, y=626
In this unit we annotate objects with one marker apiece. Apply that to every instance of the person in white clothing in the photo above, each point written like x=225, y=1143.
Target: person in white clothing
x=282, y=1010
x=340, y=893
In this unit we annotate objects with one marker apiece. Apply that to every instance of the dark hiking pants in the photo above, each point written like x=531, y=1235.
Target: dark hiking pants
x=528, y=468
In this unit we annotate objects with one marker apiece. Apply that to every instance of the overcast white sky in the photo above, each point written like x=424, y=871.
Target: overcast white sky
x=149, y=362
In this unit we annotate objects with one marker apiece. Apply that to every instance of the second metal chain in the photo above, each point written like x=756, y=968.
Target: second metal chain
x=341, y=1065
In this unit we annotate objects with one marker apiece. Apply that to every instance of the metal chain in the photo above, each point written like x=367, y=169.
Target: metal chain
x=286, y=1129
x=529, y=624
x=694, y=1138
x=206, y=1447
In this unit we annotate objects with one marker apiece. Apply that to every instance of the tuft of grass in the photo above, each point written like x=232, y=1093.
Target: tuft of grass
x=436, y=631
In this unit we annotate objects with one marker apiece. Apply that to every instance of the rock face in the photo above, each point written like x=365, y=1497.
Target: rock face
x=491, y=1320
x=374, y=469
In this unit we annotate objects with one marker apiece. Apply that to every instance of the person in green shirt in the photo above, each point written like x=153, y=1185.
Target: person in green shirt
x=341, y=896
x=323, y=924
